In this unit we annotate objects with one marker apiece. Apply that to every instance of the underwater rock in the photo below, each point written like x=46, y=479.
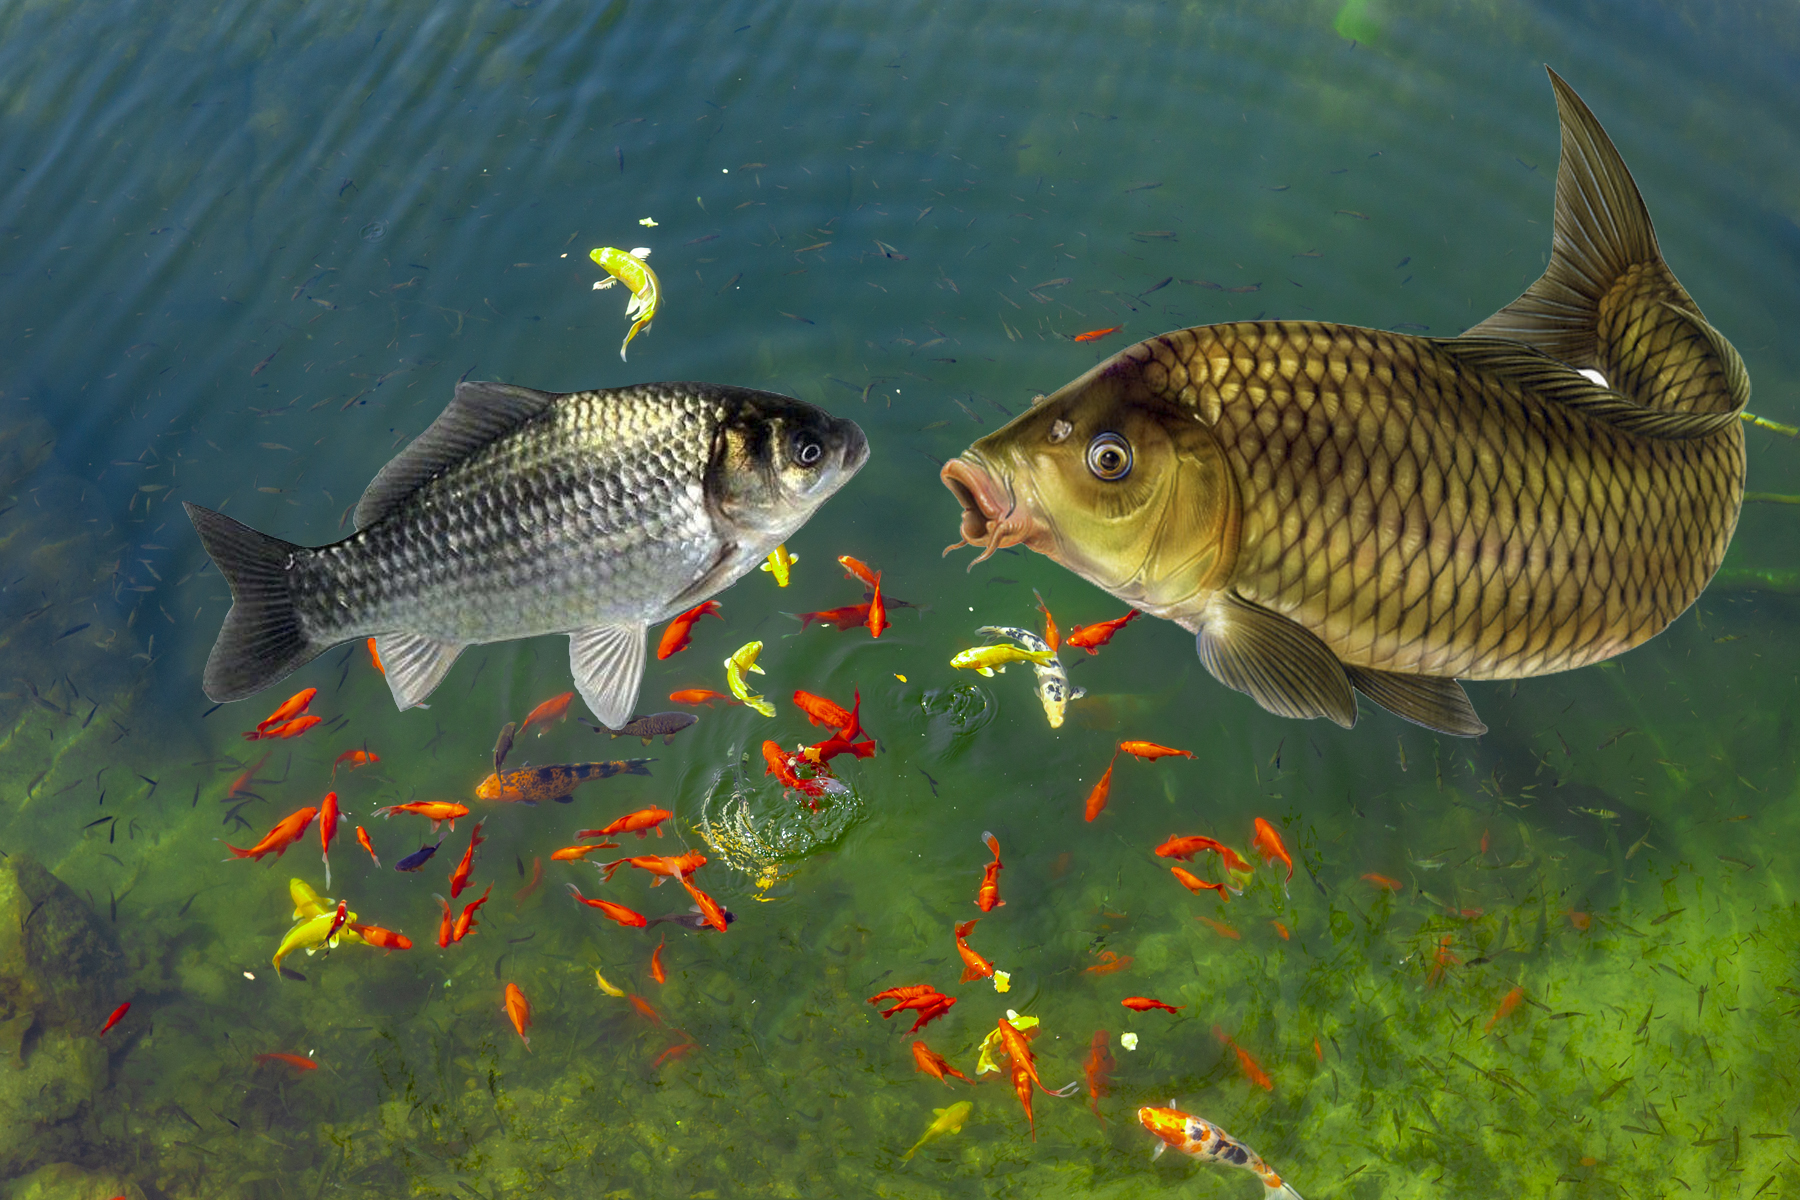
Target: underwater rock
x=66, y=1181
x=57, y=961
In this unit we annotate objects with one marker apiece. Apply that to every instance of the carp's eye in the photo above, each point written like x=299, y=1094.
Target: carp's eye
x=1060, y=430
x=806, y=450
x=1109, y=457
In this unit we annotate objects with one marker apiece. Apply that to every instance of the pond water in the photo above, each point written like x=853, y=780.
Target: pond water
x=249, y=249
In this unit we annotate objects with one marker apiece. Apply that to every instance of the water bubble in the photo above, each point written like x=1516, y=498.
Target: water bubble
x=374, y=231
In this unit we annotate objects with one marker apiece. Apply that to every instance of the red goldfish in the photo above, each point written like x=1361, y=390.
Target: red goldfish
x=328, y=823
x=1096, y=800
x=435, y=811
x=1150, y=751
x=877, y=621
x=1220, y=927
x=293, y=706
x=386, y=939
x=555, y=709
x=466, y=921
x=640, y=822
x=580, y=853
x=698, y=696
x=934, y=1065
x=709, y=908
x=1184, y=848
x=679, y=632
x=847, y=617
x=518, y=1011
x=1508, y=1002
x=288, y=729
x=375, y=658
x=298, y=1062
x=1383, y=882
x=1442, y=960
x=656, y=968
x=660, y=865
x=355, y=759
x=1100, y=1064
x=1092, y=637
x=1195, y=884
x=1252, y=1069
x=1051, y=637
x=1145, y=1004
x=118, y=1014
x=618, y=912
x=988, y=897
x=974, y=966
x=447, y=925
x=362, y=835
x=1268, y=843
x=531, y=885
x=459, y=878
x=278, y=839
x=829, y=714
x=858, y=570
x=1094, y=335
x=1109, y=962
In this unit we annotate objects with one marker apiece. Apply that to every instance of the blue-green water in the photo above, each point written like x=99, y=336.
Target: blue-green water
x=248, y=250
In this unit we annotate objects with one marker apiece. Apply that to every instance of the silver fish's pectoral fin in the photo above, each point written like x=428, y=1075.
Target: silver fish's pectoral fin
x=608, y=664
x=480, y=413
x=1438, y=704
x=1277, y=662
x=414, y=664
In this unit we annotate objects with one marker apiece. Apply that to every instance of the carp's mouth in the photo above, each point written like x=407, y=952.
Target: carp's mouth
x=991, y=517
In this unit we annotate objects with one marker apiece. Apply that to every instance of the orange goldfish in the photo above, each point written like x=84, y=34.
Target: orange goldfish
x=362, y=835
x=1508, y=1002
x=1442, y=960
x=877, y=621
x=386, y=939
x=1252, y=1069
x=375, y=658
x=288, y=729
x=1092, y=637
x=1268, y=843
x=1195, y=884
x=1150, y=751
x=555, y=709
x=1100, y=1064
x=829, y=714
x=298, y=1062
x=974, y=966
x=435, y=811
x=1281, y=929
x=1094, y=335
x=1110, y=961
x=466, y=921
x=643, y=1006
x=922, y=997
x=1017, y=1045
x=328, y=823
x=781, y=766
x=293, y=706
x=447, y=925
x=1220, y=927
x=987, y=898
x=288, y=831
x=1580, y=920
x=679, y=632
x=1051, y=637
x=118, y=1014
x=678, y=1050
x=536, y=881
x=697, y=696
x=580, y=853
x=618, y=912
x=823, y=752
x=659, y=865
x=1184, y=848
x=859, y=570
x=1145, y=1004
x=847, y=617
x=459, y=878
x=356, y=758
x=709, y=908
x=640, y=822
x=656, y=968
x=517, y=1010
x=1021, y=1081
x=930, y=1063
x=243, y=781
x=557, y=781
x=1383, y=882
x=1096, y=800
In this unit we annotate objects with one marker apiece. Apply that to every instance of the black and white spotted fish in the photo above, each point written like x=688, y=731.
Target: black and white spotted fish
x=1208, y=1143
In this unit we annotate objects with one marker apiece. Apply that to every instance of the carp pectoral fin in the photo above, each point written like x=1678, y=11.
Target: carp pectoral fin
x=480, y=413
x=415, y=664
x=1602, y=230
x=1438, y=704
x=1278, y=663
x=608, y=664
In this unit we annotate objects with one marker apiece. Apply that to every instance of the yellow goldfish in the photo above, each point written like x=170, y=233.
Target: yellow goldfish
x=313, y=932
x=630, y=269
x=949, y=1120
x=985, y=660
x=990, y=1045
x=780, y=563
x=743, y=660
x=307, y=903
x=606, y=987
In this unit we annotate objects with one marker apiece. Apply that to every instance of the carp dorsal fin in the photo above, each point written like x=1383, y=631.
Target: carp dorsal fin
x=479, y=413
x=1274, y=660
x=1437, y=703
x=1535, y=372
x=1601, y=229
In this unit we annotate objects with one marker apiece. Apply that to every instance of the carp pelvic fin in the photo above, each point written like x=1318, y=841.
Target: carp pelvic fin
x=415, y=665
x=608, y=664
x=1438, y=704
x=1277, y=662
x=480, y=413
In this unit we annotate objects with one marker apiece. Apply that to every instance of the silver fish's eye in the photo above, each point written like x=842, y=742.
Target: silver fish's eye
x=1109, y=457
x=807, y=452
x=1060, y=430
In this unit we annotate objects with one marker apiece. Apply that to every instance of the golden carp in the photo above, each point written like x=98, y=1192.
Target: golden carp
x=1328, y=507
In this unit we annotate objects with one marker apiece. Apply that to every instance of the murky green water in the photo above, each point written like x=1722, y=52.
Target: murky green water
x=248, y=250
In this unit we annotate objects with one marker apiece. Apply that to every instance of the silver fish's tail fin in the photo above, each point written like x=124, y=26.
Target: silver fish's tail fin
x=1607, y=301
x=261, y=640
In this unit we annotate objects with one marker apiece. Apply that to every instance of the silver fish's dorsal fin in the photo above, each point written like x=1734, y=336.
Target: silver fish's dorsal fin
x=1274, y=660
x=479, y=413
x=608, y=664
x=414, y=665
x=1601, y=230
x=1438, y=704
x=1541, y=375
